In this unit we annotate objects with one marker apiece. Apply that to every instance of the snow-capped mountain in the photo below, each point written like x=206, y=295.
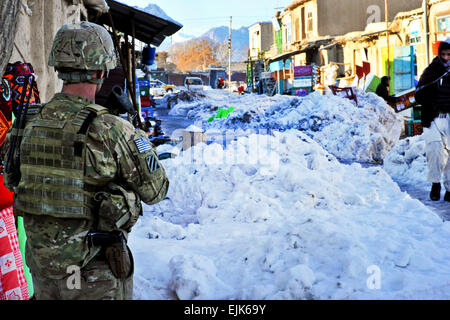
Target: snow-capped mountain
x=239, y=37
x=178, y=37
x=155, y=10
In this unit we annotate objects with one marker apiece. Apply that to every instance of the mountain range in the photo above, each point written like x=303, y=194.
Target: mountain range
x=239, y=37
x=239, y=40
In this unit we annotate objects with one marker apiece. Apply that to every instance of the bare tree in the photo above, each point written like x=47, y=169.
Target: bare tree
x=9, y=10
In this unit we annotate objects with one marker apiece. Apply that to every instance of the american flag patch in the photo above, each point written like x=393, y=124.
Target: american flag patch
x=143, y=145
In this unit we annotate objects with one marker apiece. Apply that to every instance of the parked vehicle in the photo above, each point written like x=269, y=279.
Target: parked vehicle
x=155, y=89
x=193, y=83
x=168, y=87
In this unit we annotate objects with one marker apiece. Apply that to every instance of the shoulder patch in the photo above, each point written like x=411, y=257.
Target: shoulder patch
x=143, y=145
x=98, y=109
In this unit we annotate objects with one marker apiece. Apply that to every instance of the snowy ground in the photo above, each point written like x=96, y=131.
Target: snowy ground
x=363, y=132
x=278, y=217
x=407, y=165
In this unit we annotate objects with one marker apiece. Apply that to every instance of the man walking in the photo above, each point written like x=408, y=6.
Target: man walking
x=433, y=93
x=79, y=174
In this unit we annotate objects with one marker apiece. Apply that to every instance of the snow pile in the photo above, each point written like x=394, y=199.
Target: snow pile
x=277, y=217
x=182, y=96
x=365, y=132
x=407, y=162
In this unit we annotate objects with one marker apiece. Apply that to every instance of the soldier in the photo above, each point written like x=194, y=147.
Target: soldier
x=83, y=173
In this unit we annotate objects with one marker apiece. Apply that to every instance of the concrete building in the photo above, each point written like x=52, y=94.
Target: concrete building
x=308, y=28
x=413, y=41
x=260, y=42
x=260, y=39
x=316, y=22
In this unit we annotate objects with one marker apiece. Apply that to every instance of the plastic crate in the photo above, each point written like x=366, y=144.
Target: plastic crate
x=414, y=128
x=303, y=71
x=301, y=91
x=405, y=100
x=147, y=112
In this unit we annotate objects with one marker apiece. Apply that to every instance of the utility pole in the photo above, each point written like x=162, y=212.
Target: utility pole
x=229, y=58
x=427, y=30
x=386, y=11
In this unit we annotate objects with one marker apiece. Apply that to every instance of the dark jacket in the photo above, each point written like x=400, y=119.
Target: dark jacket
x=383, y=91
x=434, y=96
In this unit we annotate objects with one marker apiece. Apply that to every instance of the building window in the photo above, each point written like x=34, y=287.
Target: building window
x=288, y=29
x=310, y=22
x=443, y=28
x=255, y=42
x=303, y=24
x=415, y=34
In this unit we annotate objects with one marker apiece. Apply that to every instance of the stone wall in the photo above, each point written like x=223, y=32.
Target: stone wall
x=39, y=20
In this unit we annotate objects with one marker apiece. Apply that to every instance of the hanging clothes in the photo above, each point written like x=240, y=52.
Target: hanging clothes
x=14, y=87
x=13, y=284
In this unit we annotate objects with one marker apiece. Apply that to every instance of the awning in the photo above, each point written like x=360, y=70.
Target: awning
x=376, y=33
x=329, y=46
x=149, y=29
x=310, y=46
x=285, y=55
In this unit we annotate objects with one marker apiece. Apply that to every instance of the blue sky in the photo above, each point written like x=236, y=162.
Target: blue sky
x=198, y=16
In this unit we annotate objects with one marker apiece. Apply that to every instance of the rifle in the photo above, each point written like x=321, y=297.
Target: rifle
x=12, y=167
x=119, y=103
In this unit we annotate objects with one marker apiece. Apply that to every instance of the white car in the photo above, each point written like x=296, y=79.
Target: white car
x=156, y=90
x=193, y=83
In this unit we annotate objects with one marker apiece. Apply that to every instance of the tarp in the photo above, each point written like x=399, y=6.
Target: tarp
x=221, y=113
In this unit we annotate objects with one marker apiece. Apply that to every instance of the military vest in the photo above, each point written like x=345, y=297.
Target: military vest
x=52, y=162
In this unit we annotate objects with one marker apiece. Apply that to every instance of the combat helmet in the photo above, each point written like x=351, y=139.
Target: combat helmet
x=81, y=48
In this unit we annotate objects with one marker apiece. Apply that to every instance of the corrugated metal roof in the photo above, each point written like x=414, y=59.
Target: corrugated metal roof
x=149, y=28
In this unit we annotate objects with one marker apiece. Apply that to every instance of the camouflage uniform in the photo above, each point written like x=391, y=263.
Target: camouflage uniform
x=82, y=169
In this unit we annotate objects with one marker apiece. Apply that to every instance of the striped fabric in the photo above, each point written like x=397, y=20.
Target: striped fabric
x=13, y=284
x=143, y=145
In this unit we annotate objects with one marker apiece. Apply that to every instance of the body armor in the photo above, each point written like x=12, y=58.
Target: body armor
x=52, y=166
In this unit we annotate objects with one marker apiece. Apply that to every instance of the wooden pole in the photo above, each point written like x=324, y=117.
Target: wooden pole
x=123, y=59
x=229, y=58
x=427, y=30
x=386, y=9
x=278, y=79
x=133, y=59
